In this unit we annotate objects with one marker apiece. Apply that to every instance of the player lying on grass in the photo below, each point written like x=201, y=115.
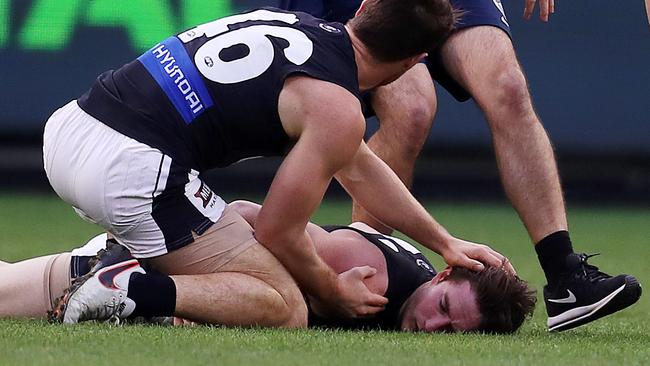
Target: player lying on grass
x=455, y=299
x=419, y=299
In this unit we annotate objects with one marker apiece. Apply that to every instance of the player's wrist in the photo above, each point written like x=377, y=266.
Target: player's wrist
x=329, y=289
x=441, y=241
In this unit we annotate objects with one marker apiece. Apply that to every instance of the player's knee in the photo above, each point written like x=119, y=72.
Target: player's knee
x=289, y=309
x=420, y=114
x=298, y=318
x=512, y=92
x=292, y=313
x=417, y=124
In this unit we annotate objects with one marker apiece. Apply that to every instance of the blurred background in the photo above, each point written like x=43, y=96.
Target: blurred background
x=588, y=69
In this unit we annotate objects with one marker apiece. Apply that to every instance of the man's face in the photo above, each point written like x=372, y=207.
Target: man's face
x=441, y=306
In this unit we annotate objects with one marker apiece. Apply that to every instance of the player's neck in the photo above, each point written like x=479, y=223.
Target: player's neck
x=371, y=73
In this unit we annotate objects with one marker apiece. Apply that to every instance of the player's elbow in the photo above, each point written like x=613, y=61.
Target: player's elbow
x=272, y=236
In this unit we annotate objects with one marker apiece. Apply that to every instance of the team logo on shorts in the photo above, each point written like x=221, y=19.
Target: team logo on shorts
x=205, y=194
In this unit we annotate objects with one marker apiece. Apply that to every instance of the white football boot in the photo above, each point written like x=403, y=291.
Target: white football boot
x=100, y=294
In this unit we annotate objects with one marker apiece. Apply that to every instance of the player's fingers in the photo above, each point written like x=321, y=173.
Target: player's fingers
x=179, y=322
x=366, y=311
x=488, y=256
x=498, y=260
x=376, y=300
x=543, y=10
x=504, y=262
x=365, y=271
x=470, y=264
x=528, y=9
x=552, y=6
x=508, y=267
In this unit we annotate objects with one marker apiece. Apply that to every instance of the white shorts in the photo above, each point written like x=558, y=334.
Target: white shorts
x=140, y=195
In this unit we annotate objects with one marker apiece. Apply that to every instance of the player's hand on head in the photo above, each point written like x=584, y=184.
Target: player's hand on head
x=546, y=7
x=355, y=300
x=474, y=256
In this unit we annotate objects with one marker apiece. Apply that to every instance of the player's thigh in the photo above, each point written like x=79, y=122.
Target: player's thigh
x=227, y=246
x=220, y=244
x=257, y=261
x=230, y=246
x=29, y=288
x=477, y=57
x=407, y=103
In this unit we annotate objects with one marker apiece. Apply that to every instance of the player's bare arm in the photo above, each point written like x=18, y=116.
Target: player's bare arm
x=367, y=177
x=329, y=249
x=326, y=139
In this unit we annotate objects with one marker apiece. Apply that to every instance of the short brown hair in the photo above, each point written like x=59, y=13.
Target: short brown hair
x=504, y=299
x=394, y=30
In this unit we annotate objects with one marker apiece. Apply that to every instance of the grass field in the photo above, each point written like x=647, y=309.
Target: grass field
x=36, y=225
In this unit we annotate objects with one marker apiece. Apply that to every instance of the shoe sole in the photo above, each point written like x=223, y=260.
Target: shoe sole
x=621, y=298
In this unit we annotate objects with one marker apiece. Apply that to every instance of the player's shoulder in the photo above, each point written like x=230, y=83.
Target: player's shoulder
x=306, y=101
x=315, y=91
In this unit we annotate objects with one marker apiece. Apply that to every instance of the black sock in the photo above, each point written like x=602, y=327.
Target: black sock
x=552, y=252
x=154, y=295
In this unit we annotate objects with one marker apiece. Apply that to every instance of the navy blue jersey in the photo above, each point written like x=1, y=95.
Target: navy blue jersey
x=208, y=97
x=407, y=270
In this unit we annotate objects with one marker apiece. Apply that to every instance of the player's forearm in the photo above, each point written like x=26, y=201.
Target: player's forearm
x=378, y=189
x=300, y=258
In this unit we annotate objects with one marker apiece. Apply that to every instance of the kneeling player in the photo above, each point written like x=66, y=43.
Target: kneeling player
x=419, y=299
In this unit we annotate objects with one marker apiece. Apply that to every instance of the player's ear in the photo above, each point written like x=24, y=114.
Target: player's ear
x=442, y=275
x=412, y=61
x=361, y=7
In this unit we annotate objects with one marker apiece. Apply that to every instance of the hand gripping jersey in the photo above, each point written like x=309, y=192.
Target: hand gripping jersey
x=407, y=269
x=208, y=97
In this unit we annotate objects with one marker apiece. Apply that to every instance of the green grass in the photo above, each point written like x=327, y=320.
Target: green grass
x=36, y=225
